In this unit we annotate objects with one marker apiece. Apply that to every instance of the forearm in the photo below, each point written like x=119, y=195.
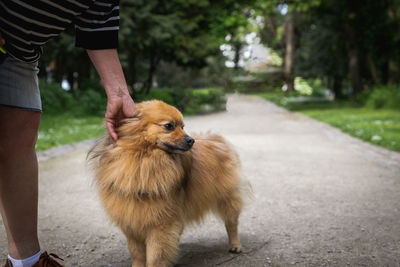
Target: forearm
x=109, y=68
x=120, y=104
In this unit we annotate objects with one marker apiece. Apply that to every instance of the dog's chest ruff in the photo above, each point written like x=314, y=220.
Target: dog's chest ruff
x=160, y=175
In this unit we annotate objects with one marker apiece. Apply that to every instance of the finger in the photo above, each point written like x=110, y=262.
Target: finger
x=111, y=131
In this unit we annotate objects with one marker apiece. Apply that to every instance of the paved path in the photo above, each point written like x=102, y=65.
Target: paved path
x=321, y=198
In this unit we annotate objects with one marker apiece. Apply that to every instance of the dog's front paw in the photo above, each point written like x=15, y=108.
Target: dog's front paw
x=236, y=249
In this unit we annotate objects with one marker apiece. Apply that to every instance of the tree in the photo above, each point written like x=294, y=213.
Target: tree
x=289, y=52
x=281, y=30
x=180, y=31
x=338, y=41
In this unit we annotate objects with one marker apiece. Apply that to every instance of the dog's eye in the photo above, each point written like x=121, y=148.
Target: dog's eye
x=169, y=126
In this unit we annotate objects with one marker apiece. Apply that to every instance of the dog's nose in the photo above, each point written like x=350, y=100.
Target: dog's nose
x=189, y=140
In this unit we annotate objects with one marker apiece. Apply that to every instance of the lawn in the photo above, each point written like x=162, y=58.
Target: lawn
x=377, y=126
x=66, y=128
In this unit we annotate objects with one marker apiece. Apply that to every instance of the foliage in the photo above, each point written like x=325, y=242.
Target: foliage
x=302, y=86
x=338, y=42
x=381, y=97
x=182, y=32
x=55, y=100
x=189, y=101
x=160, y=94
x=91, y=102
x=384, y=97
x=205, y=100
x=175, y=44
x=69, y=118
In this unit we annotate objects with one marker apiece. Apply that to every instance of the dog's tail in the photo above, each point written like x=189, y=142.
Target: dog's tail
x=246, y=190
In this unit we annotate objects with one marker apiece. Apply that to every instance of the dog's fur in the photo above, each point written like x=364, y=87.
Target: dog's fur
x=152, y=182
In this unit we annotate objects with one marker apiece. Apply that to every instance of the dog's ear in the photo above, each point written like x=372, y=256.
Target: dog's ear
x=129, y=127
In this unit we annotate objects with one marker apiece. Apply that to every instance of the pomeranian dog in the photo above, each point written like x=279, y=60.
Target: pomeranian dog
x=156, y=179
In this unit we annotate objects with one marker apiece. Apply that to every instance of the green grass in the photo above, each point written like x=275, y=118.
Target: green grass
x=66, y=128
x=377, y=126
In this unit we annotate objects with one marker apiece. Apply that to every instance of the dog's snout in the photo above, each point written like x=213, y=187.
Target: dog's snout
x=189, y=140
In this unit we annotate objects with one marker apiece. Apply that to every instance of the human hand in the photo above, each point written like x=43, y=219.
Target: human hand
x=119, y=107
x=120, y=104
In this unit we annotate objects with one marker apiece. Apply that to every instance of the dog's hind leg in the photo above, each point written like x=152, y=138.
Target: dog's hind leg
x=229, y=209
x=138, y=252
x=162, y=245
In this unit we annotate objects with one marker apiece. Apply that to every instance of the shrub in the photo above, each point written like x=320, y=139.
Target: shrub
x=160, y=94
x=384, y=97
x=205, y=100
x=54, y=98
x=91, y=102
x=94, y=84
x=189, y=101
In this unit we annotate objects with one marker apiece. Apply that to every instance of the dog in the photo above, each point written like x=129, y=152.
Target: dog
x=156, y=179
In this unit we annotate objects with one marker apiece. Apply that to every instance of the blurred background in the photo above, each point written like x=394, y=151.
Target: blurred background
x=335, y=60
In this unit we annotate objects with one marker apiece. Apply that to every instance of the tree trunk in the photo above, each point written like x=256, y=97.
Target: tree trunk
x=373, y=70
x=337, y=87
x=238, y=47
x=153, y=60
x=288, y=71
x=354, y=61
x=131, y=74
x=385, y=72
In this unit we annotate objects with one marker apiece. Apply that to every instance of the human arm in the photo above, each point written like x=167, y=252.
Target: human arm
x=119, y=104
x=97, y=31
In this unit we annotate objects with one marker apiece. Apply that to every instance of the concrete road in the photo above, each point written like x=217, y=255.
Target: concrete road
x=321, y=198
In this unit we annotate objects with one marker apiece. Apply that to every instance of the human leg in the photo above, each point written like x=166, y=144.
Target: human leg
x=19, y=180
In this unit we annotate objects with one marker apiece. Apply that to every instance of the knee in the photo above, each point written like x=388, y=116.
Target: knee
x=19, y=139
x=17, y=149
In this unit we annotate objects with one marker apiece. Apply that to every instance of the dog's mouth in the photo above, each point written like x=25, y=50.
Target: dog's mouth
x=177, y=149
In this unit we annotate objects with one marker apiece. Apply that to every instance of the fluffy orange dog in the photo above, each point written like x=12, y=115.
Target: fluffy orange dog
x=157, y=179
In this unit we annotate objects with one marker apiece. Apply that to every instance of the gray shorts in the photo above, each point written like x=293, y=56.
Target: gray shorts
x=19, y=85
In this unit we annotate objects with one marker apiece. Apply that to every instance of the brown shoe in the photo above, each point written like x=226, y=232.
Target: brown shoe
x=47, y=260
x=8, y=263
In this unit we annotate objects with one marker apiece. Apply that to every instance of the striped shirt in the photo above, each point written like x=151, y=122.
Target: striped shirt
x=26, y=25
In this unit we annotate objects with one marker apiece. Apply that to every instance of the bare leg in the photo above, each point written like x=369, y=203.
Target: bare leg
x=162, y=246
x=19, y=180
x=138, y=252
x=229, y=209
